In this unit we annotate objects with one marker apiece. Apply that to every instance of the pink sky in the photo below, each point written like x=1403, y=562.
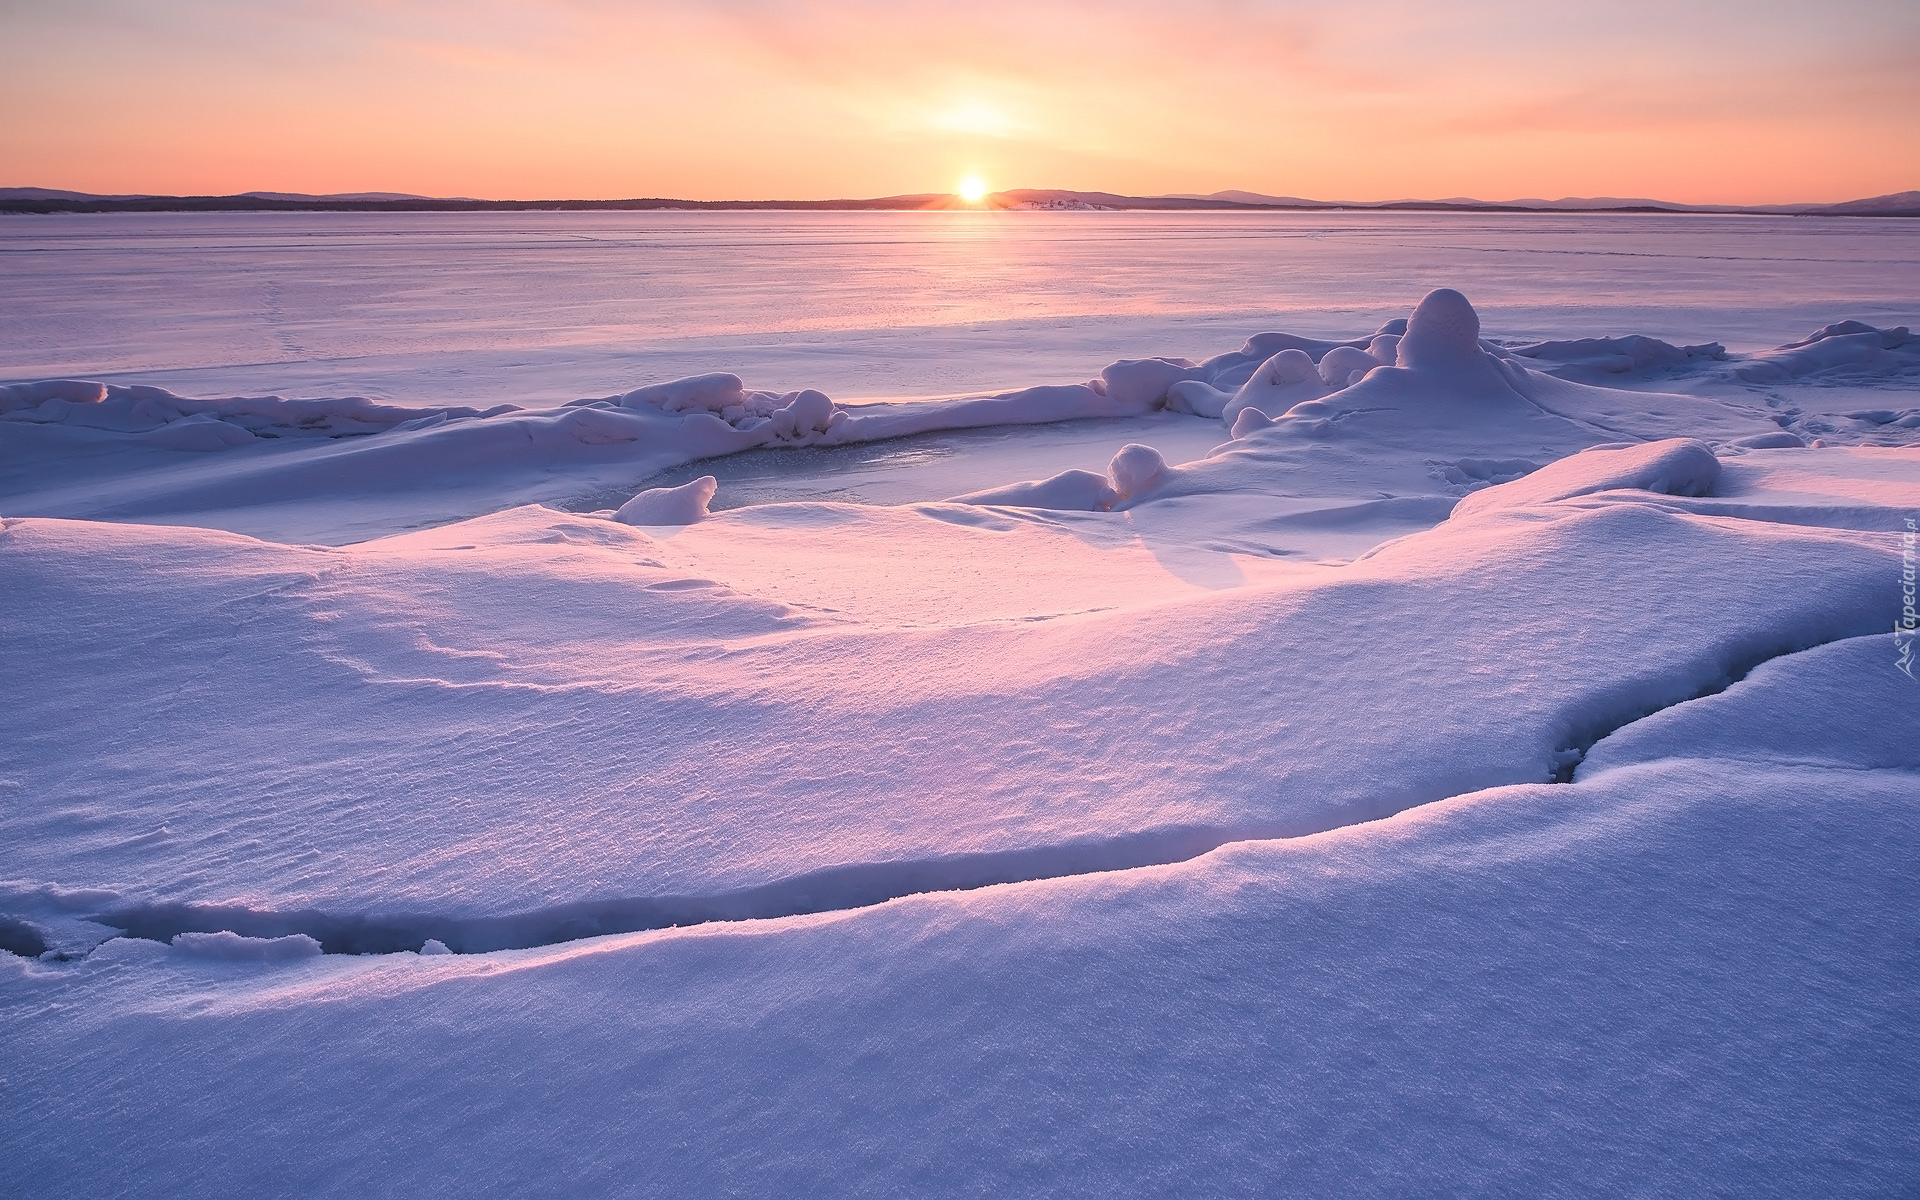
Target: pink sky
x=1749, y=102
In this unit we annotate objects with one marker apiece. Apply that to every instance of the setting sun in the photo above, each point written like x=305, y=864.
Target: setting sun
x=973, y=189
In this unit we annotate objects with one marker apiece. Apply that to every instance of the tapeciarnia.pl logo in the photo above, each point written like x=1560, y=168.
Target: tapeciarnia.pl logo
x=1903, y=629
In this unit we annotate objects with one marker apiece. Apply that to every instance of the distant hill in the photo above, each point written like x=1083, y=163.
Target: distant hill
x=1898, y=204
x=349, y=196
x=32, y=193
x=1529, y=204
x=50, y=200
x=1239, y=197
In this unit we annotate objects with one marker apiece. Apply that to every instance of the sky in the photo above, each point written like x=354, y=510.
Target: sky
x=1700, y=101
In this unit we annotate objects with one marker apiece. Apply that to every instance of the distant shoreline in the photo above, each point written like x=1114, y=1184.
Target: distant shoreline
x=1025, y=201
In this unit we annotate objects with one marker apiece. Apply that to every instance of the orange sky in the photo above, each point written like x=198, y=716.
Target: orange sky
x=1710, y=101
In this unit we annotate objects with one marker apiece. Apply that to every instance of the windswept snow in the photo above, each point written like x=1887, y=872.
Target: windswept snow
x=1688, y=974
x=1418, y=753
x=884, y=701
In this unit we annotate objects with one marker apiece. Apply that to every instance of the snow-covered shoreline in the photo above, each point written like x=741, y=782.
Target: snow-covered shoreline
x=426, y=465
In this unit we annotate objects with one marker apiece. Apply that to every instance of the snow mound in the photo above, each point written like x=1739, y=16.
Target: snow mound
x=1069, y=491
x=1248, y=420
x=153, y=411
x=1442, y=334
x=681, y=505
x=1278, y=384
x=1908, y=418
x=1329, y=472
x=1889, y=338
x=714, y=393
x=17, y=396
x=1676, y=467
x=231, y=947
x=1273, y=371
x=1845, y=344
x=1438, y=357
x=797, y=416
x=1344, y=365
x=1783, y=440
x=1594, y=357
x=1135, y=472
x=1142, y=384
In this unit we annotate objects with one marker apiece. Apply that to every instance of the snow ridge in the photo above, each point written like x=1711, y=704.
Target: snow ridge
x=240, y=933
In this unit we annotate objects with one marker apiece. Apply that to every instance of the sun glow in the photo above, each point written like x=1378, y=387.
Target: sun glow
x=973, y=189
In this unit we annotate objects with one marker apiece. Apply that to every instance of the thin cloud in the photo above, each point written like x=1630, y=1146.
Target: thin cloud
x=837, y=97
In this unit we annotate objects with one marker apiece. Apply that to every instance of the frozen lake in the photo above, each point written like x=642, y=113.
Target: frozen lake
x=1462, y=769
x=535, y=308
x=540, y=309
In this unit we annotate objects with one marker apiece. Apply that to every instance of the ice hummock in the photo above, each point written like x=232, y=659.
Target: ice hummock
x=344, y=469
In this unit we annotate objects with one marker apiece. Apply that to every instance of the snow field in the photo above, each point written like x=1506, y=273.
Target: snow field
x=1471, y=777
x=1677, y=974
x=626, y=725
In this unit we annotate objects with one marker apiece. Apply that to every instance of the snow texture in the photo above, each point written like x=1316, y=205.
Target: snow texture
x=1470, y=777
x=1682, y=974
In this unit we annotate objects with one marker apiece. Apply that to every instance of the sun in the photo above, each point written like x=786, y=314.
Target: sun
x=973, y=189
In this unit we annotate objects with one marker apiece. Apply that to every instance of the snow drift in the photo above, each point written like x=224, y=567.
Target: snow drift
x=1458, y=737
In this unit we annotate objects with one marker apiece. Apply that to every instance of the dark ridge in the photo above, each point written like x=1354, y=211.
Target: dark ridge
x=266, y=204
x=832, y=889
x=1894, y=206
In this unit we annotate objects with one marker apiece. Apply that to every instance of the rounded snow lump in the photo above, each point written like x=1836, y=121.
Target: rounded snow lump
x=1341, y=362
x=812, y=411
x=1443, y=331
x=1276, y=385
x=1249, y=420
x=1135, y=469
x=1069, y=491
x=1672, y=466
x=681, y=505
x=1143, y=382
x=712, y=392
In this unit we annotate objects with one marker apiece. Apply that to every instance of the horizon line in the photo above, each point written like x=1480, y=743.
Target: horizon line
x=31, y=200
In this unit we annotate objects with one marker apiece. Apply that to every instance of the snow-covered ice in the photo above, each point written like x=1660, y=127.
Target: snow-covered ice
x=1690, y=972
x=1432, y=750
